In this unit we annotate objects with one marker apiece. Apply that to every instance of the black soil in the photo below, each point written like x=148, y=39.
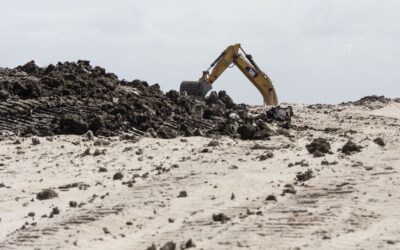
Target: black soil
x=318, y=147
x=74, y=97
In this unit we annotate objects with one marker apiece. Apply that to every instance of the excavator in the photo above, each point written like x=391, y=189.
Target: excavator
x=246, y=64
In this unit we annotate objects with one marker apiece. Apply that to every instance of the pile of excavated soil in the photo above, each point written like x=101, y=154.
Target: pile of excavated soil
x=72, y=98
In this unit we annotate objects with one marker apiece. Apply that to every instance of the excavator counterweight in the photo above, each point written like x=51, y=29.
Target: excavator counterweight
x=246, y=65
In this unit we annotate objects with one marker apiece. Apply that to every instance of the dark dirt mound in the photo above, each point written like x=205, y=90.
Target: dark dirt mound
x=72, y=98
x=46, y=194
x=318, y=147
x=367, y=100
x=351, y=148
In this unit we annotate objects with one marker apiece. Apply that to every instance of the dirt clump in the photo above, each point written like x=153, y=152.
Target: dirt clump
x=46, y=194
x=118, y=176
x=318, y=147
x=351, y=148
x=304, y=176
x=379, y=141
x=169, y=246
x=220, y=218
x=182, y=194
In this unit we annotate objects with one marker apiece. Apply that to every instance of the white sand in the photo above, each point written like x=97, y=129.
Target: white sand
x=354, y=204
x=391, y=110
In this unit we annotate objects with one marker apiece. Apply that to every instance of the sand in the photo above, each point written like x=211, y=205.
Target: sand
x=351, y=201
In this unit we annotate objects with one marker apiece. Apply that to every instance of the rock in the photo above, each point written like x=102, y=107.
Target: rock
x=213, y=143
x=351, y=148
x=55, y=210
x=379, y=141
x=271, y=197
x=31, y=214
x=118, y=176
x=220, y=218
x=86, y=152
x=97, y=152
x=246, y=132
x=102, y=169
x=106, y=231
x=102, y=142
x=304, y=176
x=182, y=194
x=189, y=244
x=89, y=135
x=166, y=133
x=17, y=142
x=318, y=147
x=73, y=124
x=169, y=246
x=266, y=156
x=318, y=153
x=35, y=141
x=46, y=194
x=73, y=203
x=97, y=123
x=152, y=247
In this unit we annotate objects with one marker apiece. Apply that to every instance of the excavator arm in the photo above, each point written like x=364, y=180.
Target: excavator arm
x=246, y=65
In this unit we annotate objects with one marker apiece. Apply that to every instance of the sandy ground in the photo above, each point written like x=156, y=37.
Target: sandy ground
x=352, y=203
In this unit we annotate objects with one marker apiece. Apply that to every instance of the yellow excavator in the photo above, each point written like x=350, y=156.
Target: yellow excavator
x=245, y=63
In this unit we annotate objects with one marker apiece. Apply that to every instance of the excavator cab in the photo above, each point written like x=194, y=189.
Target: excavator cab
x=245, y=63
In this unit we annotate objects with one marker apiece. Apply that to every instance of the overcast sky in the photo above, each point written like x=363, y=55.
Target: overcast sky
x=324, y=51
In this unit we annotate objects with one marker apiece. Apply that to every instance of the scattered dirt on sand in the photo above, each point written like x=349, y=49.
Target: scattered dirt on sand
x=267, y=193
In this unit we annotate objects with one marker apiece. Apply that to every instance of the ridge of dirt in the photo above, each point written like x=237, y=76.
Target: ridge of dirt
x=74, y=97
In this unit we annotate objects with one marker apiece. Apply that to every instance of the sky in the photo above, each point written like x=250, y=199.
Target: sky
x=314, y=51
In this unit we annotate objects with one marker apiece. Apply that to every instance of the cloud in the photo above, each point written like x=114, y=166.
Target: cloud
x=315, y=51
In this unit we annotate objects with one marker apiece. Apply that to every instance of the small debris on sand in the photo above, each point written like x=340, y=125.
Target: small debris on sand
x=188, y=244
x=220, y=217
x=118, y=176
x=35, y=141
x=351, y=148
x=152, y=247
x=46, y=194
x=318, y=147
x=73, y=203
x=182, y=194
x=106, y=231
x=304, y=176
x=266, y=156
x=271, y=197
x=169, y=246
x=379, y=141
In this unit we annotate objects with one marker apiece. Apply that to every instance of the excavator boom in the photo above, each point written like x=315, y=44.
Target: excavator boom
x=246, y=65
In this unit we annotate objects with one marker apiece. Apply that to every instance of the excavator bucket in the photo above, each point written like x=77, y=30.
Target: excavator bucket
x=196, y=88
